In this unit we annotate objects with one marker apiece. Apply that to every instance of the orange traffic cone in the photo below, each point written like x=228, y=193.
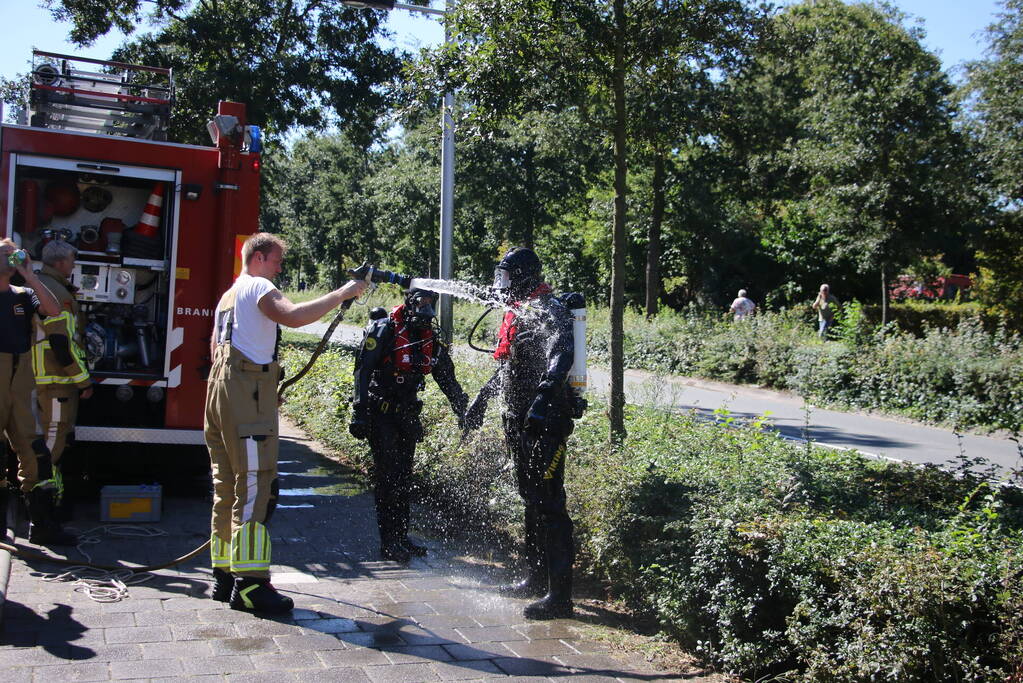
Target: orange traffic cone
x=149, y=223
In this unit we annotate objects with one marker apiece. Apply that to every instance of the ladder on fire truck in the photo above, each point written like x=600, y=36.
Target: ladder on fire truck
x=99, y=96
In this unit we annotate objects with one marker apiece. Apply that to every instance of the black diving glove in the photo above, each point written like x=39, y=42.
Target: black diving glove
x=359, y=426
x=536, y=418
x=472, y=419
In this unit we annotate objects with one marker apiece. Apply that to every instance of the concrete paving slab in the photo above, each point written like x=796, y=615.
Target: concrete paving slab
x=357, y=618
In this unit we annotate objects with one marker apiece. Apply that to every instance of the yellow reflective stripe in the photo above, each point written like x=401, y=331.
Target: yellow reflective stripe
x=39, y=360
x=250, y=548
x=220, y=552
x=41, y=346
x=80, y=377
x=65, y=316
x=61, y=379
x=244, y=594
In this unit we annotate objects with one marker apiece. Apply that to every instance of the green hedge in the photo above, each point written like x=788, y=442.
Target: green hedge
x=916, y=317
x=963, y=376
x=940, y=363
x=767, y=558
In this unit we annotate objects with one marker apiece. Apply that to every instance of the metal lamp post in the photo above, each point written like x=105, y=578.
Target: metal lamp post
x=447, y=160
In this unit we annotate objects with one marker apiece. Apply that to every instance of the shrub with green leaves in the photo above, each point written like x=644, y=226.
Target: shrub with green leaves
x=769, y=559
x=964, y=376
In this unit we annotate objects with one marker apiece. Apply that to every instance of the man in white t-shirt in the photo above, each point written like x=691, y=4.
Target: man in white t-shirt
x=241, y=421
x=742, y=307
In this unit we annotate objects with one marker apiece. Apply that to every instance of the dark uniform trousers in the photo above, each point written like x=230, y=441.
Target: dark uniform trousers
x=241, y=429
x=392, y=438
x=540, y=475
x=16, y=419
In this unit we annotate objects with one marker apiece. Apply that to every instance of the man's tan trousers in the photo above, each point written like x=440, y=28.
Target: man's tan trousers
x=16, y=419
x=241, y=434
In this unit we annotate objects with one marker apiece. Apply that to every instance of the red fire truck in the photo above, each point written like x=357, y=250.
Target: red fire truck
x=158, y=227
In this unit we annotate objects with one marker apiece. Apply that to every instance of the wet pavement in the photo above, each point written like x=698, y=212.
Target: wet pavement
x=356, y=618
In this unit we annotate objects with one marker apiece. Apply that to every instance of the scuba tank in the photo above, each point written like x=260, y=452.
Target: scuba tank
x=576, y=304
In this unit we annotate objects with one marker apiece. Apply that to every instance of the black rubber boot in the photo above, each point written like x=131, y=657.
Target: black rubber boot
x=557, y=604
x=413, y=548
x=535, y=583
x=395, y=552
x=5, y=500
x=223, y=585
x=46, y=530
x=257, y=595
x=560, y=551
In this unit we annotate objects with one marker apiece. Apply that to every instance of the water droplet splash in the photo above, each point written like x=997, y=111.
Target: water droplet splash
x=462, y=290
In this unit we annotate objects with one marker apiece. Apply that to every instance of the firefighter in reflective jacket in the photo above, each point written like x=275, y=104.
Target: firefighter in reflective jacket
x=18, y=306
x=535, y=349
x=398, y=352
x=241, y=421
x=58, y=360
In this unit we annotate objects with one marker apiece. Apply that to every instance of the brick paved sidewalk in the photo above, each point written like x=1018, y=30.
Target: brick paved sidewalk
x=356, y=618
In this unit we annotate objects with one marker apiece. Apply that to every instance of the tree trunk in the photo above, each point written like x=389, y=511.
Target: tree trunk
x=653, y=252
x=884, y=299
x=530, y=169
x=616, y=408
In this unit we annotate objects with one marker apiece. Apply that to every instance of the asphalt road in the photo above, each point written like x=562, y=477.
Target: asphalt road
x=790, y=415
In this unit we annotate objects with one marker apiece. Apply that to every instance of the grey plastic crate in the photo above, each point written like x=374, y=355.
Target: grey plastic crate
x=140, y=503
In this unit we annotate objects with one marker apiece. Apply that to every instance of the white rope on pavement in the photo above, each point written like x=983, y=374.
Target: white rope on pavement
x=98, y=584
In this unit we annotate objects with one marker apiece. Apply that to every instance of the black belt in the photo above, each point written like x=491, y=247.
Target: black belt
x=396, y=407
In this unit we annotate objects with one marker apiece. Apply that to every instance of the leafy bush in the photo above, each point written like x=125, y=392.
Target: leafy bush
x=965, y=376
x=961, y=377
x=915, y=317
x=768, y=558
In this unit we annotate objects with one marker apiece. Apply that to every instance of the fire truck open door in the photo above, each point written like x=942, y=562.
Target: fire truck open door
x=124, y=221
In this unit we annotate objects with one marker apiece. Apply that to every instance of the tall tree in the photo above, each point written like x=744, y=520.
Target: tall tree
x=303, y=63
x=995, y=93
x=524, y=56
x=995, y=88
x=846, y=128
x=315, y=196
x=674, y=100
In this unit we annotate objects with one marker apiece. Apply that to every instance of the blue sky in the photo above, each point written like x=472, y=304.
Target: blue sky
x=953, y=28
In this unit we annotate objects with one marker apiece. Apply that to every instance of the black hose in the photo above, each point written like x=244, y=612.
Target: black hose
x=319, y=349
x=473, y=331
x=32, y=555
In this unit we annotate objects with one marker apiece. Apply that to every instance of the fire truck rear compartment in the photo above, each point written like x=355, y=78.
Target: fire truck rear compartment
x=122, y=226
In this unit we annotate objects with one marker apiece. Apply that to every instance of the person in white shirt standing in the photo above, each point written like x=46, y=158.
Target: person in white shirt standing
x=241, y=421
x=742, y=307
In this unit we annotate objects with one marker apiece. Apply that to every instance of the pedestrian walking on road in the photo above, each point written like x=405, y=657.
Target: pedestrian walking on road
x=241, y=423
x=826, y=305
x=742, y=307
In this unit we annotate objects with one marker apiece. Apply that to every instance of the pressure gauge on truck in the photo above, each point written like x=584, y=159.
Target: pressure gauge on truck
x=122, y=290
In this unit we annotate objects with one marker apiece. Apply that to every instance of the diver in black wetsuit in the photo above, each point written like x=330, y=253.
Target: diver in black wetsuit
x=398, y=352
x=535, y=348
